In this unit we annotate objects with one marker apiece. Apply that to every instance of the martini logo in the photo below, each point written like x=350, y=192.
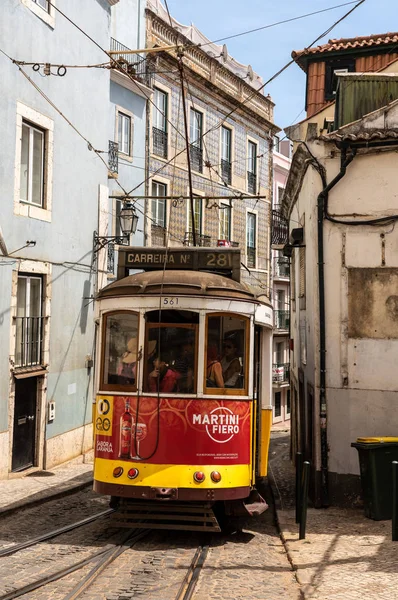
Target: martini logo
x=221, y=424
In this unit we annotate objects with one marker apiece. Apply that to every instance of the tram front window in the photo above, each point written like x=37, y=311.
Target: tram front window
x=226, y=365
x=170, y=365
x=120, y=350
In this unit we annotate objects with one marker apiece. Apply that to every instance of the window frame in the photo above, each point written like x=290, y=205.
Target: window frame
x=164, y=116
x=48, y=16
x=208, y=391
x=202, y=214
x=191, y=326
x=252, y=213
x=155, y=182
x=154, y=112
x=223, y=211
x=122, y=112
x=26, y=114
x=32, y=128
x=28, y=277
x=336, y=65
x=116, y=386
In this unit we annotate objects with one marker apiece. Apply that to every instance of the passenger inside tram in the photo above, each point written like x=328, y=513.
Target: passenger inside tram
x=230, y=363
x=162, y=378
x=214, y=375
x=184, y=365
x=127, y=367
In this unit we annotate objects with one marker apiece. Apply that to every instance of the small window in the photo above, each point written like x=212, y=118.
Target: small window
x=170, y=352
x=196, y=141
x=120, y=351
x=252, y=167
x=124, y=133
x=331, y=80
x=226, y=154
x=159, y=127
x=198, y=215
x=159, y=204
x=226, y=359
x=251, y=241
x=225, y=222
x=32, y=165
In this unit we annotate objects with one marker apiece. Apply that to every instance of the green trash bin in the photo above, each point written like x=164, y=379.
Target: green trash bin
x=375, y=458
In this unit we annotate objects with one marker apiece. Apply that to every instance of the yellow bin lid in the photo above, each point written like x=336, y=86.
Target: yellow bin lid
x=376, y=440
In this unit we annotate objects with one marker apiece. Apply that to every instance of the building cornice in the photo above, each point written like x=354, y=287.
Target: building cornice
x=209, y=68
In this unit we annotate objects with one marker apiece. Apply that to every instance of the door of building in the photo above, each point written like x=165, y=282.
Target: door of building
x=24, y=437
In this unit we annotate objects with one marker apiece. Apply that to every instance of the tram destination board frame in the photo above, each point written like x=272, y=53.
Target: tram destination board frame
x=225, y=261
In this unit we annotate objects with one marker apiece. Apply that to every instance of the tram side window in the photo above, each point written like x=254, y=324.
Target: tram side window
x=120, y=349
x=226, y=353
x=170, y=361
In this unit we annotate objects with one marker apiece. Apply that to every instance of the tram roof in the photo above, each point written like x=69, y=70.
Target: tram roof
x=196, y=283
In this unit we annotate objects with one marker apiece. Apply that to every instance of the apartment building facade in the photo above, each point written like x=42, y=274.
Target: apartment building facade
x=230, y=156
x=57, y=179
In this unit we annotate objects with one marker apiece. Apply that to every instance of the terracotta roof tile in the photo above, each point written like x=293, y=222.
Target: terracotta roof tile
x=334, y=45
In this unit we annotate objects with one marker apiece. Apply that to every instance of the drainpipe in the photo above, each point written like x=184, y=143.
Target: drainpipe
x=322, y=204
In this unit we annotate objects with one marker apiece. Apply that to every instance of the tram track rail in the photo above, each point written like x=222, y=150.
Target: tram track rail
x=191, y=578
x=8, y=550
x=104, y=558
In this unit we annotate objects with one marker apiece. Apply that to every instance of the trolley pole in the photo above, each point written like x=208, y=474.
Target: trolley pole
x=181, y=69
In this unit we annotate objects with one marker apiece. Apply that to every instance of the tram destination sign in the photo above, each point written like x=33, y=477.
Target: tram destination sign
x=219, y=260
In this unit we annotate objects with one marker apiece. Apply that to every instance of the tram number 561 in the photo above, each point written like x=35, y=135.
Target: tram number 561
x=219, y=260
x=170, y=301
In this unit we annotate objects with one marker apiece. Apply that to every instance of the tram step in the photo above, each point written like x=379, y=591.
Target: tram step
x=154, y=516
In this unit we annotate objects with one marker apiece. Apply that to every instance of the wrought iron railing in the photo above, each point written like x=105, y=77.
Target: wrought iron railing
x=279, y=228
x=29, y=341
x=134, y=65
x=159, y=139
x=281, y=267
x=196, y=156
x=251, y=182
x=226, y=171
x=201, y=240
x=250, y=257
x=281, y=319
x=113, y=157
x=281, y=372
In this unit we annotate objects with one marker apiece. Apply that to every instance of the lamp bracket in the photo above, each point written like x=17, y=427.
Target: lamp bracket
x=102, y=241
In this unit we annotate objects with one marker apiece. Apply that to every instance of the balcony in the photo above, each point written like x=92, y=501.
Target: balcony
x=251, y=182
x=29, y=341
x=134, y=65
x=201, y=240
x=281, y=373
x=281, y=320
x=113, y=158
x=279, y=228
x=196, y=156
x=159, y=142
x=226, y=171
x=281, y=267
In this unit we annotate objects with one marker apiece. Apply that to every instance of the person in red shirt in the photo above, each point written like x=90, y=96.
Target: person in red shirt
x=162, y=378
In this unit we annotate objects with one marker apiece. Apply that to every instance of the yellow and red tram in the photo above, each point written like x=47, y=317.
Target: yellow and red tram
x=183, y=403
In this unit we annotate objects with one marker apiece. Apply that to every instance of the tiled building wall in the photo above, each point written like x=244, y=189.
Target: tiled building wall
x=214, y=107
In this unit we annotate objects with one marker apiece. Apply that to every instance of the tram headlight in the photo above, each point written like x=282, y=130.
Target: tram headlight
x=133, y=473
x=117, y=471
x=215, y=476
x=199, y=476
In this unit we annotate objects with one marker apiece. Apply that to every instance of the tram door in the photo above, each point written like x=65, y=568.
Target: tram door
x=24, y=437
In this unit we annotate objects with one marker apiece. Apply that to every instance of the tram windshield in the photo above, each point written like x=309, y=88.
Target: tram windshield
x=226, y=365
x=170, y=356
x=120, y=348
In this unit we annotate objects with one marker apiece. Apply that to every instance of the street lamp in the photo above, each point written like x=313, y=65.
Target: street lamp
x=128, y=220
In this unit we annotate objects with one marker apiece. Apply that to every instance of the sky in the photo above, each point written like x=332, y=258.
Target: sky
x=267, y=51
